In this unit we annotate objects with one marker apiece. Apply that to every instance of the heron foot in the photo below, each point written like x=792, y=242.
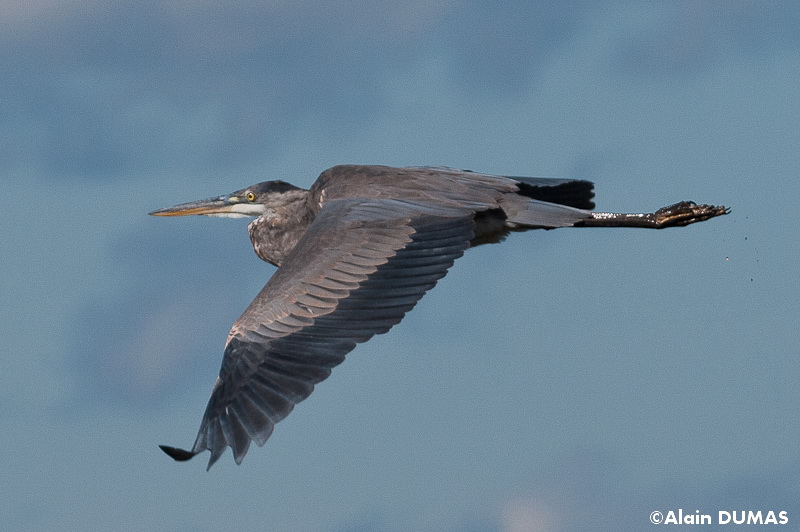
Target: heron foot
x=685, y=213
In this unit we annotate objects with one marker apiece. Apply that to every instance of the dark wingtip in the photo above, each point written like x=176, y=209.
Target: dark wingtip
x=179, y=455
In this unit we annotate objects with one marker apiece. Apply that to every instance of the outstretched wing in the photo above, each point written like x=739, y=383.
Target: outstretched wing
x=356, y=272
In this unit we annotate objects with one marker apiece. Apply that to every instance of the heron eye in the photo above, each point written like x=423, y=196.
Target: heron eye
x=250, y=196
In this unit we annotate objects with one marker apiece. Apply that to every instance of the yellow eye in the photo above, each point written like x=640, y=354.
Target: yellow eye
x=250, y=196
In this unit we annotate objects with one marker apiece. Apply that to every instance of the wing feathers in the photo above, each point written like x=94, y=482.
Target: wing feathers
x=293, y=389
x=358, y=270
x=235, y=433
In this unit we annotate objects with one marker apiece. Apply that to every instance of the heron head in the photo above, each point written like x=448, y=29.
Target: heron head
x=251, y=201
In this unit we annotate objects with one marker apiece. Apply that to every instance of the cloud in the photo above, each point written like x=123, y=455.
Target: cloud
x=587, y=489
x=531, y=515
x=100, y=89
x=103, y=89
x=498, y=47
x=166, y=329
x=692, y=36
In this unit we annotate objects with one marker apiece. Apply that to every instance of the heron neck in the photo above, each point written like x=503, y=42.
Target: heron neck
x=275, y=234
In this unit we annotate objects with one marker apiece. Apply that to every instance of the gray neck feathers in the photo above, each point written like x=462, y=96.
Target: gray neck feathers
x=275, y=234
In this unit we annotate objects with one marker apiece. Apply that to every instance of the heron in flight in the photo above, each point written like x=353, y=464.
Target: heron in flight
x=355, y=253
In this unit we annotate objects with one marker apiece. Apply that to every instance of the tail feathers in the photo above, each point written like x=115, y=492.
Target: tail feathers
x=570, y=192
x=523, y=213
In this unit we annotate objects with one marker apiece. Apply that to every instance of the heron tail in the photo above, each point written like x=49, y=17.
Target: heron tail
x=570, y=192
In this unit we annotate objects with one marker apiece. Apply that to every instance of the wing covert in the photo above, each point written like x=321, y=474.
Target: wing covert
x=361, y=266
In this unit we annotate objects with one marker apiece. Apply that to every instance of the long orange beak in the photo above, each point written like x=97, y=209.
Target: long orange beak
x=219, y=205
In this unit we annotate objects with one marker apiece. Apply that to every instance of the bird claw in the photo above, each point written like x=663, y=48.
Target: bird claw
x=687, y=212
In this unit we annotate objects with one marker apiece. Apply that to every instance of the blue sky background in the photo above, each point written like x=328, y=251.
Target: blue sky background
x=564, y=380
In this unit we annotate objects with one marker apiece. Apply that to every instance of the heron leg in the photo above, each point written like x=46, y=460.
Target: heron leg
x=682, y=213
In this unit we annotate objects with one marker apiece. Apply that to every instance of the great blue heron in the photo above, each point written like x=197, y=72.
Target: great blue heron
x=354, y=254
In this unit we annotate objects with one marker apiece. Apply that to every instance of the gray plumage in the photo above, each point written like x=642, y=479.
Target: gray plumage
x=355, y=253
